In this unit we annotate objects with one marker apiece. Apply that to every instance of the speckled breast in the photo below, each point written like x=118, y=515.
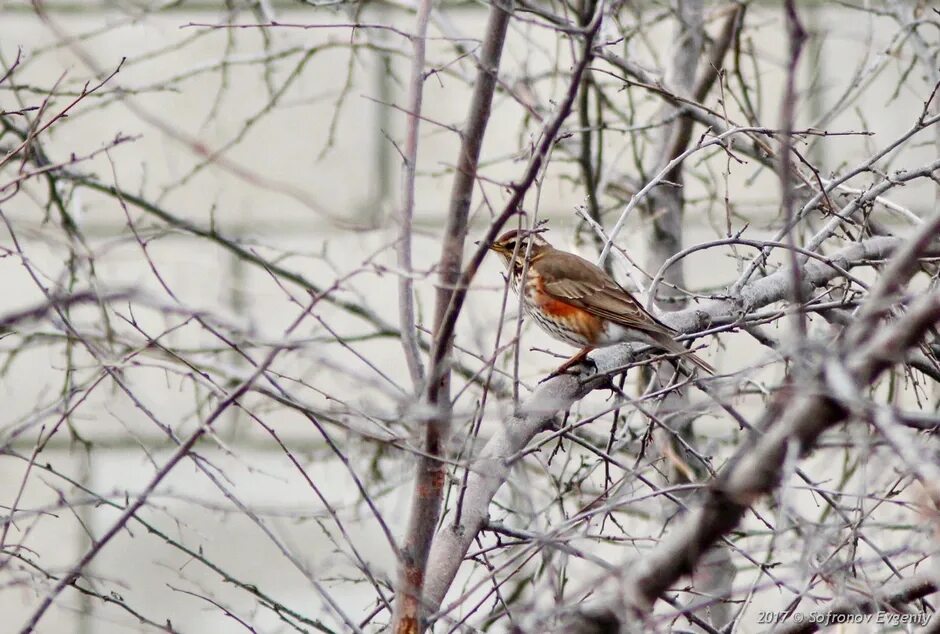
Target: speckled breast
x=571, y=326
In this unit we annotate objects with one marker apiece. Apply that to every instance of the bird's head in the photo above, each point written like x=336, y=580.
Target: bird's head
x=514, y=243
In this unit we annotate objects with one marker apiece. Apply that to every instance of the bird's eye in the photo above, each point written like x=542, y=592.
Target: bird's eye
x=511, y=246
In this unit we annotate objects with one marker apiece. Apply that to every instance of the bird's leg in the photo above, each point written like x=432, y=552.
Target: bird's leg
x=580, y=356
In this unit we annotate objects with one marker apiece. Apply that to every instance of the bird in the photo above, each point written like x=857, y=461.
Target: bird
x=577, y=302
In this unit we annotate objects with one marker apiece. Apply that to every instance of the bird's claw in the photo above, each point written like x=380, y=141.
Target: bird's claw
x=583, y=368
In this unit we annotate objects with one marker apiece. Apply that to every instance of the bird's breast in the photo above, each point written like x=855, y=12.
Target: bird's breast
x=558, y=318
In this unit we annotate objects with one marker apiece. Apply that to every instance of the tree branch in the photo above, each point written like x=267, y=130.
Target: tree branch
x=429, y=482
x=406, y=305
x=890, y=597
x=795, y=419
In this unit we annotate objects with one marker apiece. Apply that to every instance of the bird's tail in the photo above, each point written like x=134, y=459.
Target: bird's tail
x=671, y=345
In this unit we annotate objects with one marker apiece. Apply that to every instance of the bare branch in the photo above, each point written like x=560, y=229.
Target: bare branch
x=429, y=484
x=406, y=306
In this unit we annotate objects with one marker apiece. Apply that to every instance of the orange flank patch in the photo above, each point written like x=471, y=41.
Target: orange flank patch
x=554, y=307
x=559, y=309
x=566, y=316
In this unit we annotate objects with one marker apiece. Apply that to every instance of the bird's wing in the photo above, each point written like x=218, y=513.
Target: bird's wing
x=572, y=279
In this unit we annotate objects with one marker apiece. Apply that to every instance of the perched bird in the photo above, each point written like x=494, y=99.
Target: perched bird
x=577, y=302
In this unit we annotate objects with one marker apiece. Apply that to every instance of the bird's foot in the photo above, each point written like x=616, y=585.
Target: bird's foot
x=577, y=366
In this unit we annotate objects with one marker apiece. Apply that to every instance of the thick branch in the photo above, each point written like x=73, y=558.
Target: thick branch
x=785, y=169
x=890, y=597
x=796, y=419
x=431, y=472
x=429, y=484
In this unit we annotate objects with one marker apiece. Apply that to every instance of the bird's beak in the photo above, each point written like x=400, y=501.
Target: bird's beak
x=491, y=247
